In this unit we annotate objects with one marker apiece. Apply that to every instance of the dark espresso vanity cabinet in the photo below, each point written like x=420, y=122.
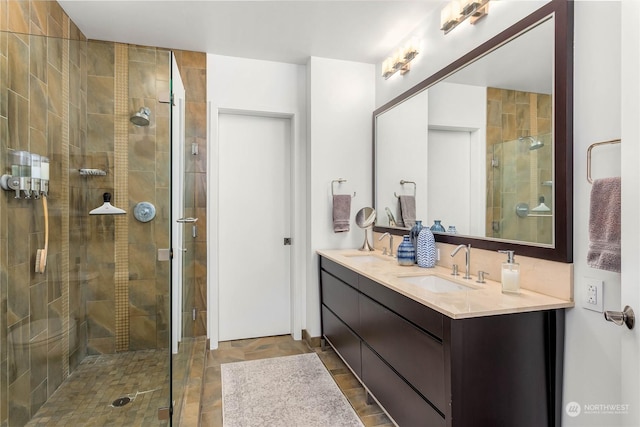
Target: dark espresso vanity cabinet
x=427, y=369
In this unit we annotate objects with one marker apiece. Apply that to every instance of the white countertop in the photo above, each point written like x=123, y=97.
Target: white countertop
x=484, y=300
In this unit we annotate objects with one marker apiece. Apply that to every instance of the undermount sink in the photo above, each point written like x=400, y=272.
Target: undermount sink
x=435, y=284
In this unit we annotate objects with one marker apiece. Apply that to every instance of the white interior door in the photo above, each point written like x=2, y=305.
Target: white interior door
x=630, y=288
x=455, y=146
x=177, y=200
x=254, y=218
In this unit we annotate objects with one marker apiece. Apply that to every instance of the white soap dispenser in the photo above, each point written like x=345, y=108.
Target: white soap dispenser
x=510, y=274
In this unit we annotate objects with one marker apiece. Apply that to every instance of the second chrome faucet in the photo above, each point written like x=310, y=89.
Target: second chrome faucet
x=467, y=259
x=384, y=252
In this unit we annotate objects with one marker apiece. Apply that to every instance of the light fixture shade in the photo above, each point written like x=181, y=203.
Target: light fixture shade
x=469, y=6
x=387, y=68
x=450, y=15
x=399, y=61
x=411, y=49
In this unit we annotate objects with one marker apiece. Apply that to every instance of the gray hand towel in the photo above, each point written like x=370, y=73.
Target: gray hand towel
x=604, y=225
x=408, y=209
x=341, y=212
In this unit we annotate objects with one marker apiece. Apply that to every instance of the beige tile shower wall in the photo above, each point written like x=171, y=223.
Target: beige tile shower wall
x=100, y=295
x=41, y=105
x=192, y=67
x=511, y=114
x=149, y=180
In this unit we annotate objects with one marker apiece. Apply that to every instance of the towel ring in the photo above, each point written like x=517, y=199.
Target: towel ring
x=595, y=144
x=403, y=182
x=339, y=181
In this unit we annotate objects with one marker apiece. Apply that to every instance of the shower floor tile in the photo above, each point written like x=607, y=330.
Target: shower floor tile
x=86, y=397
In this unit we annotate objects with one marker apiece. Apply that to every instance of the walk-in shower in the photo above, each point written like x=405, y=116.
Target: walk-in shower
x=520, y=196
x=104, y=300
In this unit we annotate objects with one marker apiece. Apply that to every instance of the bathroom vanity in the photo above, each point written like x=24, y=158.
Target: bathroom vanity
x=441, y=350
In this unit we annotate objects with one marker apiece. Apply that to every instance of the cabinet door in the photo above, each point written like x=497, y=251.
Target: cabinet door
x=404, y=405
x=342, y=339
x=415, y=355
x=424, y=317
x=348, y=276
x=342, y=299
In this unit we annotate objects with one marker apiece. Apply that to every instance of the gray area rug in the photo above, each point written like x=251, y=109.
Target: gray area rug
x=291, y=391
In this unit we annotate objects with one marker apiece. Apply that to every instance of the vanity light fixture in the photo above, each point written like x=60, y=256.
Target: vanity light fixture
x=455, y=12
x=400, y=60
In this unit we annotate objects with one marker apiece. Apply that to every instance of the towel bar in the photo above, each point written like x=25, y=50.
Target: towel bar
x=596, y=144
x=339, y=181
x=403, y=182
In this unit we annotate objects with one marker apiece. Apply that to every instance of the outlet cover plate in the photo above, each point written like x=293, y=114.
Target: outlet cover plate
x=593, y=295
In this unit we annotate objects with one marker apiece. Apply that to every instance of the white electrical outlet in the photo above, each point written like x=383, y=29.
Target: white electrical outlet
x=438, y=254
x=593, y=295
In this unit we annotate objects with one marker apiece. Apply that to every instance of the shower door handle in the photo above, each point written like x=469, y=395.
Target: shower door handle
x=188, y=219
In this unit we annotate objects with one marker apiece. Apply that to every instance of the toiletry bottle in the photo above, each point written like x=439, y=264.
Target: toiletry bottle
x=510, y=274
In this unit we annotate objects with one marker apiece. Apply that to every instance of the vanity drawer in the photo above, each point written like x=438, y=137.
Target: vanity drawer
x=342, y=339
x=415, y=355
x=405, y=406
x=348, y=276
x=341, y=299
x=426, y=318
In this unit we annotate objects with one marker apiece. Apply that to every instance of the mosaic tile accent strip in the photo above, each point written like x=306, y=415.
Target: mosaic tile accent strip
x=64, y=199
x=533, y=164
x=121, y=185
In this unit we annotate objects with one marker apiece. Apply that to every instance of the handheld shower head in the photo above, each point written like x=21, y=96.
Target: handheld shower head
x=534, y=144
x=141, y=118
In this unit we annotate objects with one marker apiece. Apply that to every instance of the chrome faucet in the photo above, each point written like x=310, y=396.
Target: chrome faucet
x=384, y=252
x=467, y=258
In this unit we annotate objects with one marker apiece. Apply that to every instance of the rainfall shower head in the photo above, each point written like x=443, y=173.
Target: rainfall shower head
x=534, y=144
x=141, y=118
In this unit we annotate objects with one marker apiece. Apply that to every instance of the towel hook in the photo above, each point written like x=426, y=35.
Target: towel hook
x=595, y=144
x=403, y=182
x=339, y=181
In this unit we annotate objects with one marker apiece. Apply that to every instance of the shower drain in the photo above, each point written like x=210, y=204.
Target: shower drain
x=120, y=402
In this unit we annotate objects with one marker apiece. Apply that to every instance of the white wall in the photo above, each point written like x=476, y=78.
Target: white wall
x=271, y=88
x=341, y=101
x=590, y=341
x=401, y=154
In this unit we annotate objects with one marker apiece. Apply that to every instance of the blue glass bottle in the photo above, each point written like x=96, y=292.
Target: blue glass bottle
x=426, y=254
x=413, y=234
x=437, y=226
x=406, y=252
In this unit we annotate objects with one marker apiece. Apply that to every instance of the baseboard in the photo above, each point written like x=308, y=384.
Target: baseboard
x=312, y=342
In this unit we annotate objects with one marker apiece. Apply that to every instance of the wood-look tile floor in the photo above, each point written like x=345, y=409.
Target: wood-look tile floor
x=261, y=348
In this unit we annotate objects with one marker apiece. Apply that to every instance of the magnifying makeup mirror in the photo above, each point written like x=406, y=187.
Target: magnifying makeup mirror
x=365, y=218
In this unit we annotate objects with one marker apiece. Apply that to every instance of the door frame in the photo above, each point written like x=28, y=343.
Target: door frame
x=630, y=149
x=297, y=214
x=178, y=140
